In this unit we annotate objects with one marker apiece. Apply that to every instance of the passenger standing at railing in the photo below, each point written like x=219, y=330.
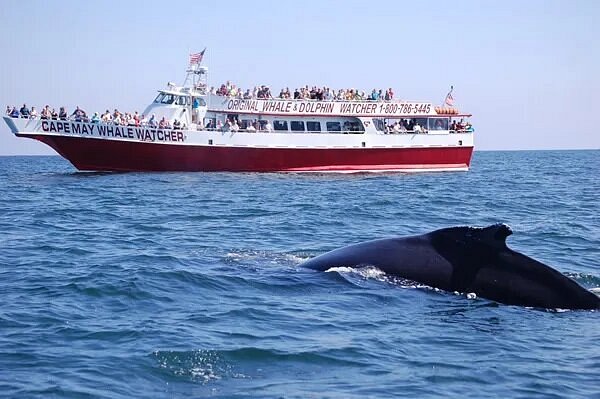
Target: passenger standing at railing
x=163, y=123
x=24, y=111
x=79, y=114
x=268, y=127
x=152, y=121
x=46, y=114
x=8, y=110
x=14, y=113
x=389, y=94
x=33, y=114
x=106, y=117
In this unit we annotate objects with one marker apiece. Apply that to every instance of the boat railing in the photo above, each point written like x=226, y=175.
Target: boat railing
x=337, y=100
x=147, y=125
x=413, y=132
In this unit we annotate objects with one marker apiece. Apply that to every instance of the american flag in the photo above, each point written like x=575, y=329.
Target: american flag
x=449, y=101
x=196, y=58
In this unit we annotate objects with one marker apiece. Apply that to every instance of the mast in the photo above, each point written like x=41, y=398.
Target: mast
x=197, y=74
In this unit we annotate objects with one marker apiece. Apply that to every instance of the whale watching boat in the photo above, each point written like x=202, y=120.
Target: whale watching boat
x=192, y=128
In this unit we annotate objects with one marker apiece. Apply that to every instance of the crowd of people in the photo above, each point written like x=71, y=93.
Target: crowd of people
x=135, y=119
x=229, y=89
x=79, y=115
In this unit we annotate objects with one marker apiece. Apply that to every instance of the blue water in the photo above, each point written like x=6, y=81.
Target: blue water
x=122, y=285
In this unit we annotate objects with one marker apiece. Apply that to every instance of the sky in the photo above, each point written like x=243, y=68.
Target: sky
x=528, y=71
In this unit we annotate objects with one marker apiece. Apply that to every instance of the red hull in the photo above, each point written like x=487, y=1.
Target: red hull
x=115, y=155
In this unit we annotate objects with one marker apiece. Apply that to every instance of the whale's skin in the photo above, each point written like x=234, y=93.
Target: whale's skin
x=467, y=260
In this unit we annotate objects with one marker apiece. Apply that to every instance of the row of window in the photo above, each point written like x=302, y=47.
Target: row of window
x=299, y=126
x=312, y=126
x=166, y=98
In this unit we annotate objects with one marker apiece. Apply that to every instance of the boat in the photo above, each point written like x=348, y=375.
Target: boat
x=204, y=130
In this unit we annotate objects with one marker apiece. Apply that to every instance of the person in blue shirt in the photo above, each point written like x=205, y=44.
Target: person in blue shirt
x=195, y=110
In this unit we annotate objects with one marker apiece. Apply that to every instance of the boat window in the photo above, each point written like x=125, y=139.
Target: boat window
x=280, y=125
x=181, y=100
x=438, y=124
x=353, y=127
x=379, y=124
x=168, y=99
x=201, y=101
x=421, y=121
x=334, y=127
x=297, y=126
x=159, y=98
x=313, y=126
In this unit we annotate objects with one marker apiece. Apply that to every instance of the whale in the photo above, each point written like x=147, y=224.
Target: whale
x=468, y=260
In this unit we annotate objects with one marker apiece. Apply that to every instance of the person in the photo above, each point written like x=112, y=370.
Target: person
x=268, y=127
x=209, y=124
x=374, y=95
x=14, y=113
x=54, y=115
x=79, y=115
x=46, y=114
x=417, y=128
x=106, y=117
x=251, y=128
x=227, y=126
x=24, y=111
x=195, y=110
x=152, y=122
x=389, y=94
x=235, y=127
x=95, y=118
x=176, y=124
x=62, y=114
x=163, y=123
x=469, y=127
x=8, y=109
x=33, y=114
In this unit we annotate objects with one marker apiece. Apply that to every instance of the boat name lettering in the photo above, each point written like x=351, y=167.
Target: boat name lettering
x=101, y=130
x=67, y=127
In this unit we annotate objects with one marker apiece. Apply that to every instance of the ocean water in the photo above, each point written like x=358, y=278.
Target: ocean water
x=152, y=285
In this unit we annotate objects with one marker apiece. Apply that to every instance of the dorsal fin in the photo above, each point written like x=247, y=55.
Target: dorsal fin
x=494, y=235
